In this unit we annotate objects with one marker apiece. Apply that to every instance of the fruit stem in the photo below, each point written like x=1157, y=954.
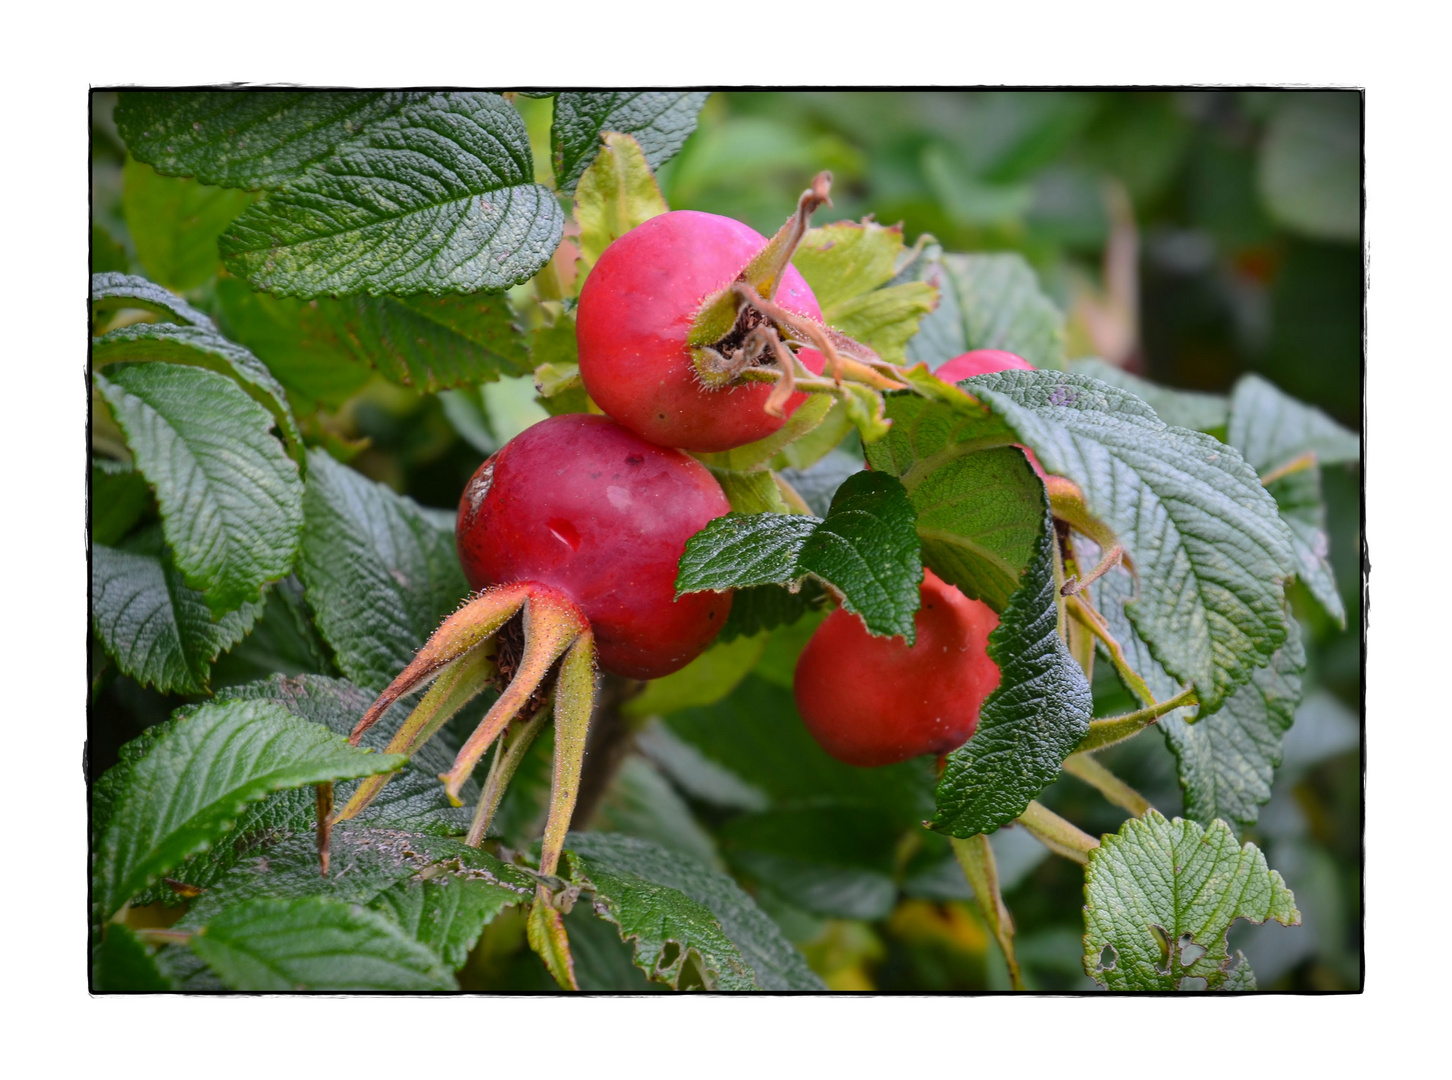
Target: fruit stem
x=766, y=269
x=323, y=796
x=1116, y=729
x=1089, y=769
x=507, y=756
x=1060, y=836
x=1080, y=608
x=975, y=856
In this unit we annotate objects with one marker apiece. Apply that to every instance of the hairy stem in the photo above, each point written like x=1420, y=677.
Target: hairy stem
x=1115, y=729
x=1089, y=769
x=1060, y=836
x=1080, y=609
x=975, y=855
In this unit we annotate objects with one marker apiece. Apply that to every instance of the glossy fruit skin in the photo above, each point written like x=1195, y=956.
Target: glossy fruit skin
x=635, y=315
x=579, y=503
x=876, y=701
x=981, y=362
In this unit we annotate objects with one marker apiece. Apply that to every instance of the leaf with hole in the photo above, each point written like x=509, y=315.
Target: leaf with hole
x=437, y=198
x=1162, y=894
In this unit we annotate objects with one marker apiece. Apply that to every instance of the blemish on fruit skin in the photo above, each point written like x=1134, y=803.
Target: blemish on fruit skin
x=619, y=497
x=564, y=532
x=479, y=486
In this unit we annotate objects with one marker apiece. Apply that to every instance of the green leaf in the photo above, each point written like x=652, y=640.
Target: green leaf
x=230, y=498
x=1179, y=408
x=1158, y=888
x=447, y=914
x=847, y=264
x=660, y=120
x=123, y=965
x=436, y=199
x=1271, y=428
x=1210, y=551
x=203, y=347
x=108, y=255
x=115, y=292
x=315, y=944
x=980, y=512
x=865, y=549
x=1034, y=719
x=379, y=574
x=641, y=802
x=766, y=607
x=119, y=496
x=704, y=681
x=615, y=194
x=175, y=224
x=284, y=641
x=688, y=922
x=189, y=789
x=250, y=138
x=987, y=302
x=755, y=457
x=1310, y=164
x=1298, y=495
x=1226, y=761
x=159, y=631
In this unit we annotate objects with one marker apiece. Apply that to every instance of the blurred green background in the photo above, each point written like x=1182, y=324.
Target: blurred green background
x=1191, y=236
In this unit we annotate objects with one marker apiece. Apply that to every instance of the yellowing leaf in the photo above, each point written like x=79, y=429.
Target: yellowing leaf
x=616, y=194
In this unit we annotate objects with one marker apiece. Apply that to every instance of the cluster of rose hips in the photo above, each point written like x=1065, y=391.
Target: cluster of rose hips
x=572, y=532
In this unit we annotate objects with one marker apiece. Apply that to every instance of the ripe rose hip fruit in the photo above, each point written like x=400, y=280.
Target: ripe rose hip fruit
x=876, y=701
x=578, y=503
x=982, y=362
x=636, y=313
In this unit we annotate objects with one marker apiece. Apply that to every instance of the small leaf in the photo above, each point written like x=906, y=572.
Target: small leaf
x=1034, y=719
x=1298, y=495
x=119, y=496
x=157, y=629
x=436, y=199
x=249, y=138
x=687, y=921
x=660, y=121
x=195, y=781
x=315, y=944
x=616, y=193
x=1158, y=888
x=987, y=302
x=175, y=224
x=865, y=549
x=378, y=573
x=1180, y=408
x=123, y=965
x=230, y=499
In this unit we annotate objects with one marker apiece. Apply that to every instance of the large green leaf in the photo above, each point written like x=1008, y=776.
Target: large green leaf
x=1227, y=760
x=1209, y=548
x=195, y=781
x=230, y=498
x=980, y=512
x=175, y=224
x=315, y=944
x=1158, y=889
x=437, y=199
x=201, y=346
x=157, y=629
x=660, y=121
x=1034, y=719
x=1310, y=164
x=380, y=575
x=688, y=922
x=1179, y=408
x=865, y=548
x=247, y=138
x=986, y=302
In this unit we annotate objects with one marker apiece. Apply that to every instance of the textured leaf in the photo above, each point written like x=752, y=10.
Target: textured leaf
x=113, y=292
x=189, y=789
x=1031, y=723
x=615, y=194
x=1158, y=887
x=1226, y=761
x=436, y=199
x=157, y=629
x=1179, y=408
x=865, y=548
x=641, y=802
x=1271, y=428
x=847, y=265
x=315, y=944
x=1210, y=550
x=1298, y=495
x=175, y=224
x=119, y=496
x=284, y=641
x=660, y=121
x=447, y=913
x=679, y=912
x=1310, y=164
x=379, y=574
x=123, y=965
x=979, y=512
x=248, y=138
x=766, y=607
x=201, y=346
x=230, y=499
x=987, y=302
